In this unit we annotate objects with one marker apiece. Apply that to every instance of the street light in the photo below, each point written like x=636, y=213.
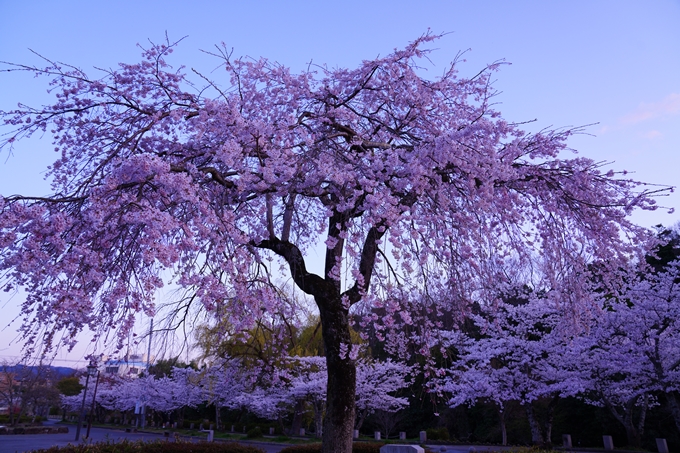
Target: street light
x=94, y=397
x=91, y=370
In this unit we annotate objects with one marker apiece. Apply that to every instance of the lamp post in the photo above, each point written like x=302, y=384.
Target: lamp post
x=91, y=370
x=94, y=397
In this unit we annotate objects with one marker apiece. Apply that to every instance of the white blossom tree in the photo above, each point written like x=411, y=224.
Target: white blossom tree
x=633, y=349
x=517, y=354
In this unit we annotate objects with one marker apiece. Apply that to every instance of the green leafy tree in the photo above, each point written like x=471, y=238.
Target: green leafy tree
x=69, y=386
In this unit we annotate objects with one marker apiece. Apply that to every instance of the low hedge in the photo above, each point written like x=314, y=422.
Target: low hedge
x=4, y=419
x=357, y=447
x=437, y=433
x=34, y=430
x=160, y=446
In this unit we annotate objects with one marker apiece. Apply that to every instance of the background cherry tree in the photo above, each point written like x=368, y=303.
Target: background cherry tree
x=631, y=354
x=408, y=182
x=377, y=383
x=515, y=352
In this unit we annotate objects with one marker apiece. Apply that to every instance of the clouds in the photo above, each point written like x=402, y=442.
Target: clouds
x=646, y=119
x=669, y=106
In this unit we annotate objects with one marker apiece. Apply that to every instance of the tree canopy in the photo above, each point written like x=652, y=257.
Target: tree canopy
x=410, y=183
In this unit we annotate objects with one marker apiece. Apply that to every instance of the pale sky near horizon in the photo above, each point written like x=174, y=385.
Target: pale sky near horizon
x=614, y=64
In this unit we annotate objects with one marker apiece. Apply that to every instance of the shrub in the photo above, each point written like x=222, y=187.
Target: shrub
x=437, y=433
x=357, y=447
x=309, y=448
x=154, y=447
x=364, y=447
x=254, y=433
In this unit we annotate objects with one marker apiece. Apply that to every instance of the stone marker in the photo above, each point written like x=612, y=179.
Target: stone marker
x=302, y=431
x=395, y=448
x=271, y=431
x=423, y=437
x=376, y=435
x=211, y=435
x=566, y=440
x=232, y=428
x=402, y=435
x=191, y=425
x=662, y=445
x=356, y=433
x=608, y=442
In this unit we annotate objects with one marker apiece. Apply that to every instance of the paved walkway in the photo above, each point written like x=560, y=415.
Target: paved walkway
x=19, y=443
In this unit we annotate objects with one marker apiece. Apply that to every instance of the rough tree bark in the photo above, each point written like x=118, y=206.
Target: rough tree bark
x=675, y=408
x=297, y=417
x=504, y=430
x=340, y=404
x=536, y=431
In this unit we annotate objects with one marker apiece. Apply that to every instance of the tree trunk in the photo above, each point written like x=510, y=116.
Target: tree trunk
x=297, y=417
x=549, y=417
x=536, y=431
x=633, y=430
x=318, y=417
x=360, y=417
x=675, y=408
x=338, y=424
x=11, y=415
x=504, y=431
x=633, y=435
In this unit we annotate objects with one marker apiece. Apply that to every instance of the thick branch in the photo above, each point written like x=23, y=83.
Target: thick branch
x=310, y=283
x=368, y=254
x=288, y=217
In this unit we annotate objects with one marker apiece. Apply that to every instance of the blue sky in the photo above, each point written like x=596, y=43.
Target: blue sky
x=615, y=63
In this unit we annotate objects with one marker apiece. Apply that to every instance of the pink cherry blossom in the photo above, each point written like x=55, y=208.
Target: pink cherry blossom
x=408, y=182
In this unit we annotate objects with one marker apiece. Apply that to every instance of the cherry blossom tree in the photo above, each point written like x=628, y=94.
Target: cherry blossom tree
x=407, y=181
x=631, y=353
x=377, y=383
x=222, y=383
x=518, y=355
x=308, y=383
x=274, y=393
x=120, y=393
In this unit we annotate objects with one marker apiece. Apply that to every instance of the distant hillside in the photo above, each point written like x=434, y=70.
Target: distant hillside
x=58, y=371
